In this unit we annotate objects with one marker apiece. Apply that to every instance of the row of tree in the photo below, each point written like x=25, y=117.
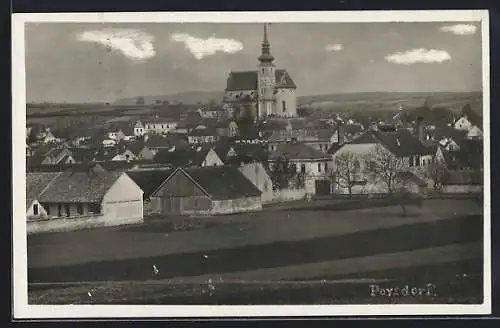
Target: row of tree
x=351, y=169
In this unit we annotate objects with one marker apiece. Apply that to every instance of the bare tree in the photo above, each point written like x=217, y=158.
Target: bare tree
x=437, y=172
x=384, y=165
x=347, y=165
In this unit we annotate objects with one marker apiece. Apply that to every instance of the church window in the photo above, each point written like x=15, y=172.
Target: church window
x=283, y=105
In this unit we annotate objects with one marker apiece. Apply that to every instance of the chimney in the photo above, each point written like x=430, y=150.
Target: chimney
x=420, y=129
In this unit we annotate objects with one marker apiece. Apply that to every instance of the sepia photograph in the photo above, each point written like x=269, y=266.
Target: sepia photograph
x=251, y=164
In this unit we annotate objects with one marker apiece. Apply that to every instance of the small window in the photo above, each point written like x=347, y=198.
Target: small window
x=319, y=167
x=66, y=208
x=326, y=167
x=262, y=70
x=283, y=105
x=79, y=209
x=303, y=168
x=35, y=209
x=59, y=210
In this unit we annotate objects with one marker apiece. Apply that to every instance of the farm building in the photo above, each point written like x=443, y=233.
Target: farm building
x=149, y=180
x=36, y=183
x=74, y=200
x=207, y=190
x=257, y=174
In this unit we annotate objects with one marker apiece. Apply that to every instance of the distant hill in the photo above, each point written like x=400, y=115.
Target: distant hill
x=352, y=102
x=188, y=98
x=391, y=101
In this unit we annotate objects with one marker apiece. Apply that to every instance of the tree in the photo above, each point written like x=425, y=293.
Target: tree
x=283, y=171
x=437, y=172
x=347, y=164
x=385, y=166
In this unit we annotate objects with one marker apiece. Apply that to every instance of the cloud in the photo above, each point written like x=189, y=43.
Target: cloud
x=205, y=47
x=460, y=29
x=134, y=44
x=334, y=47
x=418, y=56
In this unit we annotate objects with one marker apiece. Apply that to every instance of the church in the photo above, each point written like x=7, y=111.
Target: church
x=261, y=93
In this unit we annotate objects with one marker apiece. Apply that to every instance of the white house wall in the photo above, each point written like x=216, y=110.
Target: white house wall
x=42, y=213
x=123, y=200
x=212, y=159
x=256, y=173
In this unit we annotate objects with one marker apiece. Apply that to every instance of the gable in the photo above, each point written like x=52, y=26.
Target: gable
x=123, y=189
x=462, y=123
x=179, y=185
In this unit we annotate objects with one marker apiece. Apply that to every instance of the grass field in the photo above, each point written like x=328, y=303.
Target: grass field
x=442, y=239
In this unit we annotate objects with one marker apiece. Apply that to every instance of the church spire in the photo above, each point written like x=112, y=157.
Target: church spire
x=265, y=55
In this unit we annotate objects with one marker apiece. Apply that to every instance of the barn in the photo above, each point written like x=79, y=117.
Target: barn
x=206, y=191
x=74, y=200
x=149, y=181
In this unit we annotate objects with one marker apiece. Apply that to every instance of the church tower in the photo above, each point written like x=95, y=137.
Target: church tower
x=266, y=75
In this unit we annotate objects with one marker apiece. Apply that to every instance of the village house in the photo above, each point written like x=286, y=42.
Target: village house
x=141, y=150
x=206, y=191
x=189, y=157
x=257, y=173
x=156, y=143
x=159, y=125
x=313, y=164
x=470, y=123
x=227, y=129
x=36, y=183
x=139, y=129
x=317, y=139
x=49, y=137
x=401, y=143
x=212, y=112
x=76, y=200
x=118, y=153
x=202, y=135
x=465, y=156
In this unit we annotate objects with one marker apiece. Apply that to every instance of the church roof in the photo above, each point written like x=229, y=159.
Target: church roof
x=247, y=80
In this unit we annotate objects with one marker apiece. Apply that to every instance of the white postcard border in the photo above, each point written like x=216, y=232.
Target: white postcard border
x=21, y=309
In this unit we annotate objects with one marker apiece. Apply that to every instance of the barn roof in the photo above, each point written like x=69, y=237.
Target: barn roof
x=247, y=80
x=223, y=182
x=80, y=187
x=149, y=180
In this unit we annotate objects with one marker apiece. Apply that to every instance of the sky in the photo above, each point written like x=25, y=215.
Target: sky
x=87, y=62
